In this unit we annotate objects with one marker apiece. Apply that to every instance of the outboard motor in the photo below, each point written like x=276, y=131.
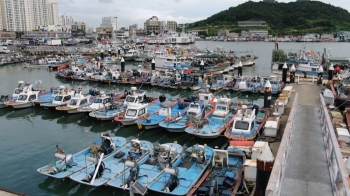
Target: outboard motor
x=99, y=172
x=67, y=162
x=181, y=104
x=162, y=98
x=256, y=109
x=134, y=173
x=173, y=181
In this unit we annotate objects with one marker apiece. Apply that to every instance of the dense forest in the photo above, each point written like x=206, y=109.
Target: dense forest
x=313, y=15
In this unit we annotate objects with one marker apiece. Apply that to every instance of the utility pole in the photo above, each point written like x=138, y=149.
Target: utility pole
x=116, y=28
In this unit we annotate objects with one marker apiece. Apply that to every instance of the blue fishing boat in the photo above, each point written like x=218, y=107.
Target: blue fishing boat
x=220, y=81
x=138, y=111
x=185, y=172
x=225, y=175
x=48, y=97
x=169, y=110
x=255, y=85
x=247, y=124
x=215, y=124
x=72, y=163
x=197, y=109
x=62, y=98
x=135, y=152
x=276, y=85
x=241, y=84
x=165, y=155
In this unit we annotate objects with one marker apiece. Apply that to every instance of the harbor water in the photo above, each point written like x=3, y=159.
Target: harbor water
x=28, y=136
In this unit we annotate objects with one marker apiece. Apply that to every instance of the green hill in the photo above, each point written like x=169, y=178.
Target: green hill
x=284, y=17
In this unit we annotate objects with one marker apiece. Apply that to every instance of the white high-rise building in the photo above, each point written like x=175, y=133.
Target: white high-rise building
x=26, y=15
x=17, y=15
x=66, y=20
x=109, y=22
x=51, y=13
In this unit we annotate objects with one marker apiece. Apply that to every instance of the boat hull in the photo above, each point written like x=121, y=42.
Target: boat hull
x=152, y=126
x=25, y=105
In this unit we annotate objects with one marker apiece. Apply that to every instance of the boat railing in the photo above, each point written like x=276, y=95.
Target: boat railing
x=275, y=182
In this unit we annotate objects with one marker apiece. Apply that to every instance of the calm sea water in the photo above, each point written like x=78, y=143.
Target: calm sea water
x=28, y=136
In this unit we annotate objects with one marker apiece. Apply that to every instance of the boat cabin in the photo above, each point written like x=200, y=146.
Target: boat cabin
x=134, y=96
x=21, y=86
x=245, y=120
x=131, y=53
x=206, y=98
x=135, y=111
x=27, y=96
x=64, y=96
x=101, y=102
x=194, y=109
x=220, y=158
x=222, y=108
x=198, y=152
x=79, y=100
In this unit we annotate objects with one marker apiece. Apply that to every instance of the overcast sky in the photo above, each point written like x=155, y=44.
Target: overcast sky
x=137, y=11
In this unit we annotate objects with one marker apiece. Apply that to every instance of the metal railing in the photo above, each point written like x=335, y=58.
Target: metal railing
x=274, y=185
x=339, y=175
x=340, y=181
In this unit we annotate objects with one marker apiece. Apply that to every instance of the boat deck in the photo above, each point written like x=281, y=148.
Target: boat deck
x=307, y=171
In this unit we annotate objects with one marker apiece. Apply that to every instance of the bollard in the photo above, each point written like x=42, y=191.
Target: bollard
x=330, y=72
x=240, y=69
x=264, y=165
x=131, y=189
x=267, y=94
x=320, y=75
x=122, y=62
x=153, y=64
x=284, y=73
x=292, y=74
x=202, y=65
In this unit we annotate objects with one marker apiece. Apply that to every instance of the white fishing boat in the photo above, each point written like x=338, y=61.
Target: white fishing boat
x=102, y=102
x=24, y=99
x=63, y=98
x=130, y=55
x=78, y=101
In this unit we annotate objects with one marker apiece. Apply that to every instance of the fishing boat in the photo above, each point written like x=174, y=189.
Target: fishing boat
x=247, y=124
x=62, y=98
x=165, y=155
x=25, y=98
x=255, y=84
x=341, y=91
x=225, y=175
x=220, y=82
x=276, y=84
x=196, y=108
x=101, y=102
x=8, y=98
x=108, y=113
x=138, y=111
x=240, y=84
x=48, y=97
x=78, y=101
x=130, y=55
x=135, y=152
x=213, y=125
x=185, y=173
x=169, y=110
x=65, y=164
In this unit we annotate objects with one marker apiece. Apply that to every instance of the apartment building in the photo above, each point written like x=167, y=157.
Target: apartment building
x=27, y=15
x=109, y=22
x=172, y=26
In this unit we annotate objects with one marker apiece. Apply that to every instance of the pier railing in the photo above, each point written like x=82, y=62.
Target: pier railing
x=339, y=175
x=275, y=182
x=340, y=181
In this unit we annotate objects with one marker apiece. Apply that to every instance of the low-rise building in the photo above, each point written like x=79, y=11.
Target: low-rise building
x=7, y=35
x=104, y=33
x=44, y=34
x=79, y=29
x=258, y=33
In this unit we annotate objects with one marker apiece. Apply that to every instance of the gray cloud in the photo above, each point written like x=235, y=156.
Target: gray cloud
x=106, y=1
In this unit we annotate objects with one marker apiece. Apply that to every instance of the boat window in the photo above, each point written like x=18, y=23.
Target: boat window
x=32, y=97
x=131, y=112
x=242, y=125
x=22, y=97
x=84, y=101
x=66, y=98
x=98, y=101
x=130, y=99
x=18, y=90
x=58, y=98
x=73, y=102
x=194, y=106
x=55, y=92
x=142, y=111
x=105, y=101
x=221, y=107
